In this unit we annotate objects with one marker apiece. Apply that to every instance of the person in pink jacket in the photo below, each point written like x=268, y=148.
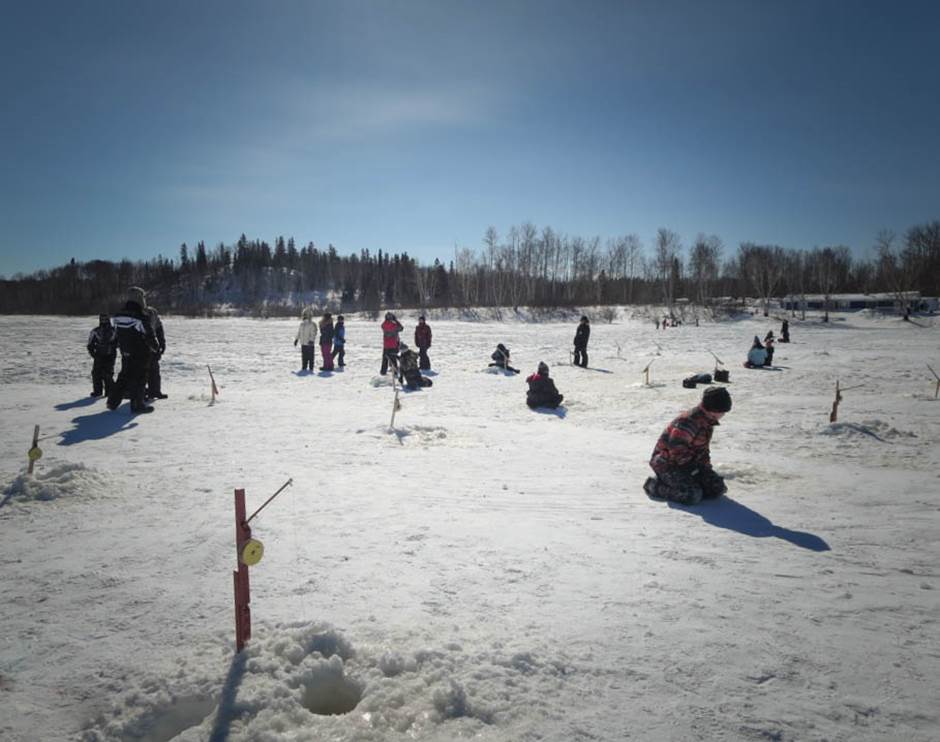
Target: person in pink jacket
x=391, y=328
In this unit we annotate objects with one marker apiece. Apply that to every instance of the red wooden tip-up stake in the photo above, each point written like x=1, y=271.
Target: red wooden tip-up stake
x=242, y=591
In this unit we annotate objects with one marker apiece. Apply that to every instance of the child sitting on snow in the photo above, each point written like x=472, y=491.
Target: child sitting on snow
x=757, y=355
x=542, y=391
x=408, y=369
x=500, y=358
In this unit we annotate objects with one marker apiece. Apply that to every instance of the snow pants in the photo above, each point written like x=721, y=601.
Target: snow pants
x=424, y=363
x=307, y=357
x=414, y=380
x=389, y=355
x=102, y=375
x=689, y=486
x=326, y=351
x=340, y=350
x=580, y=357
x=130, y=382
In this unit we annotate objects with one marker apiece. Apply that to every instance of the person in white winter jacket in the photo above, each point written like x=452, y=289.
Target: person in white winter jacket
x=307, y=337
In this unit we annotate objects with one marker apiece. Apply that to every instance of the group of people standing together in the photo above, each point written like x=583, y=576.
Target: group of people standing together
x=137, y=332
x=332, y=341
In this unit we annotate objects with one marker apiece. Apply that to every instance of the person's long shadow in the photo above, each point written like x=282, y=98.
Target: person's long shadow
x=560, y=411
x=727, y=513
x=80, y=402
x=228, y=709
x=97, y=426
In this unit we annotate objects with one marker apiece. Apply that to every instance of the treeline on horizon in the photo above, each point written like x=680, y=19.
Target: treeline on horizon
x=525, y=267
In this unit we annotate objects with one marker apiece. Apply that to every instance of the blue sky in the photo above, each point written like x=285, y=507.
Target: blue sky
x=128, y=128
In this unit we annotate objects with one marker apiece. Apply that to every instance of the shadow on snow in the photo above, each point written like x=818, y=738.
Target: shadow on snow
x=228, y=709
x=97, y=426
x=80, y=402
x=730, y=514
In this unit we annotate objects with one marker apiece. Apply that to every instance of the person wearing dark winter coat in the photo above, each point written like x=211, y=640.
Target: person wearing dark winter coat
x=102, y=347
x=154, y=382
x=307, y=337
x=408, y=369
x=137, y=343
x=542, y=391
x=339, y=341
x=681, y=458
x=423, y=341
x=500, y=358
x=391, y=328
x=769, y=348
x=326, y=341
x=581, y=337
x=785, y=331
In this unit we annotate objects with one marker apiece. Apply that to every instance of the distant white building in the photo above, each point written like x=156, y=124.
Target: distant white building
x=853, y=302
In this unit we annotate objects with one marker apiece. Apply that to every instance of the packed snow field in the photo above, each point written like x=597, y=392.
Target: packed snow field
x=483, y=570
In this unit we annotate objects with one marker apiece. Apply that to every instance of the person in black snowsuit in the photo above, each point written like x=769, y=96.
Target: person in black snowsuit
x=542, y=391
x=154, y=384
x=409, y=373
x=785, y=331
x=137, y=343
x=769, y=347
x=580, y=343
x=102, y=347
x=500, y=358
x=339, y=341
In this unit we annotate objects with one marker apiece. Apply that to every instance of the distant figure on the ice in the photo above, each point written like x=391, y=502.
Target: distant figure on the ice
x=339, y=341
x=769, y=347
x=542, y=391
x=391, y=327
x=657, y=323
x=326, y=341
x=785, y=331
x=154, y=382
x=681, y=458
x=423, y=341
x=137, y=343
x=500, y=358
x=408, y=369
x=102, y=347
x=757, y=355
x=307, y=337
x=581, y=336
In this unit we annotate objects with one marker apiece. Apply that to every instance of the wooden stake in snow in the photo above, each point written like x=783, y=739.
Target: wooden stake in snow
x=396, y=406
x=833, y=416
x=35, y=452
x=646, y=372
x=215, y=389
x=937, y=390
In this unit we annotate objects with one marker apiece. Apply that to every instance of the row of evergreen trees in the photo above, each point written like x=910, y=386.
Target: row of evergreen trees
x=527, y=266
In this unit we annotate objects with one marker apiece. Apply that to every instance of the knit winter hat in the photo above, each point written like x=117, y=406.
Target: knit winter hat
x=104, y=317
x=716, y=399
x=138, y=295
x=543, y=368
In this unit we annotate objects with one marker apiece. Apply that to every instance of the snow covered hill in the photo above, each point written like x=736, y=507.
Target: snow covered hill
x=481, y=571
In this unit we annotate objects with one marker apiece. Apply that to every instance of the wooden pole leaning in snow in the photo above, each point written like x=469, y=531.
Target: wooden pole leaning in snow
x=834, y=414
x=35, y=452
x=937, y=390
x=646, y=372
x=396, y=405
x=249, y=552
x=215, y=389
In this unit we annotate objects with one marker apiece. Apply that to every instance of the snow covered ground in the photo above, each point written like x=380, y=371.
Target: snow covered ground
x=483, y=571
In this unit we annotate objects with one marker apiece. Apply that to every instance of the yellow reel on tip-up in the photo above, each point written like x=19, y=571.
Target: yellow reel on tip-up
x=34, y=454
x=252, y=552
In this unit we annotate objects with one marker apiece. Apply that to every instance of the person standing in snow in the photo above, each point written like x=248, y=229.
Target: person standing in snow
x=391, y=328
x=339, y=341
x=102, y=347
x=326, y=341
x=769, y=348
x=757, y=355
x=408, y=369
x=681, y=458
x=307, y=337
x=542, y=391
x=785, y=331
x=581, y=337
x=138, y=344
x=423, y=341
x=154, y=384
x=500, y=358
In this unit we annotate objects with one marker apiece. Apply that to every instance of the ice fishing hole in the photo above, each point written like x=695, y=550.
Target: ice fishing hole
x=331, y=695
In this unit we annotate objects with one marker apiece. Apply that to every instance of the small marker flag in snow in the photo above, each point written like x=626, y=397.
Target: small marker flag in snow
x=215, y=389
